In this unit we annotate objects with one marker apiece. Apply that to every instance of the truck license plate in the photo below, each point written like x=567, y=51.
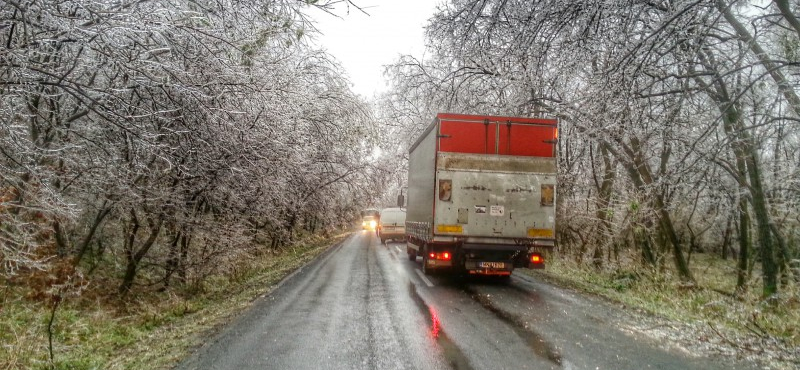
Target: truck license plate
x=492, y=265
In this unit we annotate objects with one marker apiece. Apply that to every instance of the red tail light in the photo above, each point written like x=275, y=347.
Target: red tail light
x=536, y=259
x=441, y=256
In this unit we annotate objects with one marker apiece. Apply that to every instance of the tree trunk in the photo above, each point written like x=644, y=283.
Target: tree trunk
x=726, y=238
x=783, y=256
x=61, y=240
x=746, y=154
x=98, y=219
x=641, y=176
x=133, y=259
x=647, y=249
x=677, y=251
x=603, y=204
x=759, y=201
x=742, y=271
x=186, y=240
x=173, y=259
x=56, y=302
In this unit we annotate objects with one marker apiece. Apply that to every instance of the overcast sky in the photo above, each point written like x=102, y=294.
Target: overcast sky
x=364, y=43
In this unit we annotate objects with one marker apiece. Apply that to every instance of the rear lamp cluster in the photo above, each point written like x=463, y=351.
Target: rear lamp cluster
x=445, y=256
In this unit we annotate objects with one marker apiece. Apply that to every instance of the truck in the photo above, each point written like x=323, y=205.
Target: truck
x=392, y=225
x=481, y=194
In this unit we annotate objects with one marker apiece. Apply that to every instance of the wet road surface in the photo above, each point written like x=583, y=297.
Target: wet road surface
x=363, y=305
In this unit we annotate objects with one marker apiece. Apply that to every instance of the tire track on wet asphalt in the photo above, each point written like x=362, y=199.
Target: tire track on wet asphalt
x=535, y=341
x=455, y=357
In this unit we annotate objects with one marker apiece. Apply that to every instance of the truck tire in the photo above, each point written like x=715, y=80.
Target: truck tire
x=425, y=269
x=383, y=241
x=412, y=254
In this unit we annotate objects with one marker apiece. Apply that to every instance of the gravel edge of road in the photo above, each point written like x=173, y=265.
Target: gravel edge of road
x=696, y=338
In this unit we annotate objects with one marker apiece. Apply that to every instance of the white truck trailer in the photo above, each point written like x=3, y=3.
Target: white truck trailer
x=482, y=194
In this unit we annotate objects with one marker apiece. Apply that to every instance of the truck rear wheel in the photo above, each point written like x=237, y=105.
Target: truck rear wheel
x=412, y=254
x=425, y=269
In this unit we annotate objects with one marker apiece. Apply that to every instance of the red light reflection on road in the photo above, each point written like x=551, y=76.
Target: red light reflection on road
x=436, y=326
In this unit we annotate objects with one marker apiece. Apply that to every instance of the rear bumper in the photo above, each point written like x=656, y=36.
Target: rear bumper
x=439, y=264
x=489, y=272
x=392, y=235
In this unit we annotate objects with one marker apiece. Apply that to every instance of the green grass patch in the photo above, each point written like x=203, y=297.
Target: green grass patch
x=152, y=330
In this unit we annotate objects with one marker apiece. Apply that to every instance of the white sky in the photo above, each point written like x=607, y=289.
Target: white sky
x=364, y=43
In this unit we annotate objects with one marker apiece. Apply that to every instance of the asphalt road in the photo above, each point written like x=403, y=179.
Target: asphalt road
x=363, y=305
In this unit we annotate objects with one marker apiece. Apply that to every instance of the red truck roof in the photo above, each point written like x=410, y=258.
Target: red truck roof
x=479, y=134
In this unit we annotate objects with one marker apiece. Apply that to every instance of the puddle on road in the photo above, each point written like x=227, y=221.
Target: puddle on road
x=451, y=352
x=535, y=341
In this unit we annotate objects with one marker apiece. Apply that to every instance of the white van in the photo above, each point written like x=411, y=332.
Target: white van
x=392, y=224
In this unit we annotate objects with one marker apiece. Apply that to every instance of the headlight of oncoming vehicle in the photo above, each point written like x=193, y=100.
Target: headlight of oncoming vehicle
x=372, y=224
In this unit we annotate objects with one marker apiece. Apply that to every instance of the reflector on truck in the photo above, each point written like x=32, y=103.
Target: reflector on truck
x=451, y=229
x=540, y=233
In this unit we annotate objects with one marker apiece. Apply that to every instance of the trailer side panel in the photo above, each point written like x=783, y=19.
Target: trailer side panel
x=421, y=164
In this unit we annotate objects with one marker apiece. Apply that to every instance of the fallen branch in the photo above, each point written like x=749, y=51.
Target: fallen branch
x=724, y=338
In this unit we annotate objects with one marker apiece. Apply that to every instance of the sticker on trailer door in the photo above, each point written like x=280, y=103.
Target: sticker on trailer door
x=480, y=209
x=548, y=195
x=496, y=210
x=445, y=190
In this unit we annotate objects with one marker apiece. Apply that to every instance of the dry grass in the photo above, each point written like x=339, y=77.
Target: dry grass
x=742, y=324
x=154, y=331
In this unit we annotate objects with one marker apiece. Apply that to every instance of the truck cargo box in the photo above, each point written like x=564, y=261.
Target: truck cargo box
x=482, y=183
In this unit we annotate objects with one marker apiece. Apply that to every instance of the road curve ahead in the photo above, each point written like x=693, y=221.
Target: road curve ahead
x=363, y=305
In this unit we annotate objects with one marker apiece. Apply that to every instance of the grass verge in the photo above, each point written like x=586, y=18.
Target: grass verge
x=154, y=331
x=707, y=317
